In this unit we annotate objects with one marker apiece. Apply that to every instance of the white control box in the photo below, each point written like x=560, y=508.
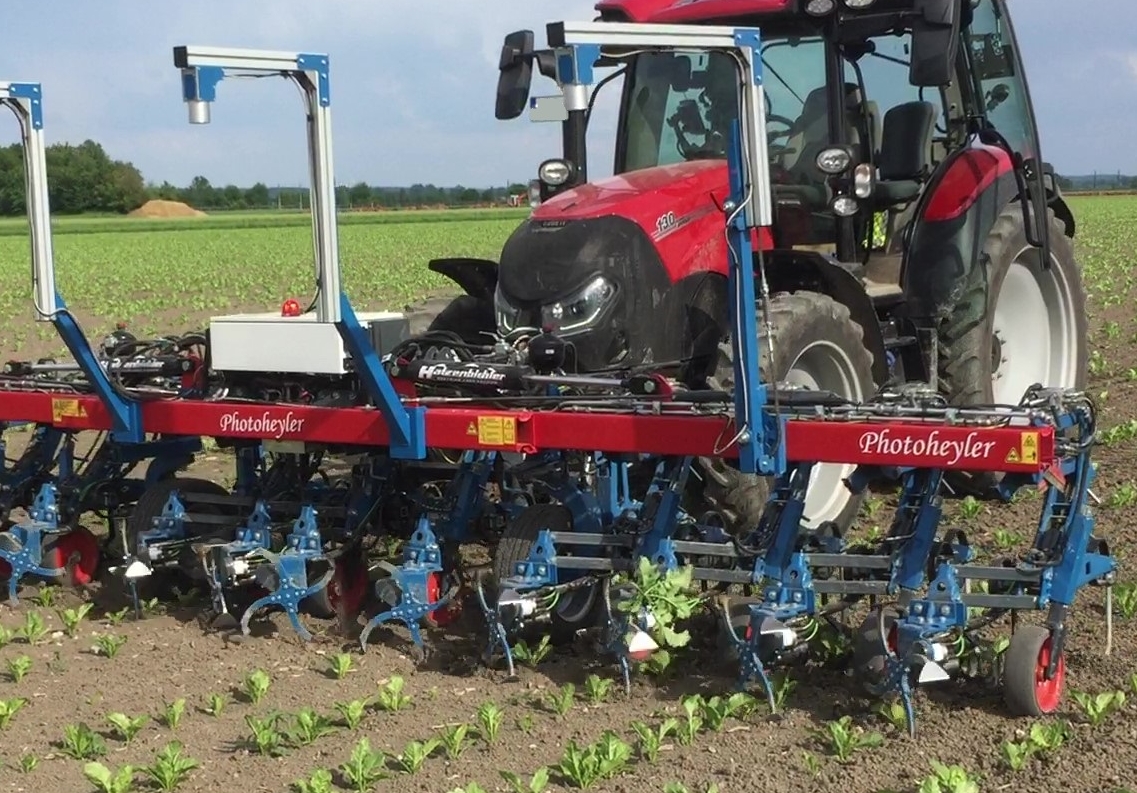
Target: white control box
x=295, y=345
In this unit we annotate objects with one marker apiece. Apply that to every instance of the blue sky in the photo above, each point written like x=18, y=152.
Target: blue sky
x=413, y=85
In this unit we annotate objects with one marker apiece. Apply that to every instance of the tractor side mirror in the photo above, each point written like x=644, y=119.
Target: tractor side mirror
x=515, y=74
x=935, y=42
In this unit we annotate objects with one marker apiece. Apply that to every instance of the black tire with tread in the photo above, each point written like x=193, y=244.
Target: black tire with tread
x=868, y=654
x=797, y=319
x=964, y=338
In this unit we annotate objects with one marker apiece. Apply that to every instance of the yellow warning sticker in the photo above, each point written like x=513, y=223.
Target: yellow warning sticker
x=497, y=430
x=1012, y=456
x=67, y=409
x=471, y=430
x=1030, y=447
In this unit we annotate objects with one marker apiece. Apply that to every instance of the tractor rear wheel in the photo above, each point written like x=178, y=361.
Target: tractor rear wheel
x=1018, y=326
x=818, y=346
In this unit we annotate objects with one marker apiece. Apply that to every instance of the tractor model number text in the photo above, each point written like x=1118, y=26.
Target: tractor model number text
x=264, y=426
x=665, y=223
x=949, y=452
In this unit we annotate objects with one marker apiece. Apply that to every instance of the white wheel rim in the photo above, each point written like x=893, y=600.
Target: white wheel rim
x=1035, y=331
x=823, y=366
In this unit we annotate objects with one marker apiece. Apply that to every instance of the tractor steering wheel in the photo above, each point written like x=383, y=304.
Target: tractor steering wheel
x=773, y=135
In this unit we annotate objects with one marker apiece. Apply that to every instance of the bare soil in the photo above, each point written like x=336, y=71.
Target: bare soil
x=168, y=655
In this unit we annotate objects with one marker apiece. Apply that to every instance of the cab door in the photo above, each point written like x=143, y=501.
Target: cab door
x=1000, y=100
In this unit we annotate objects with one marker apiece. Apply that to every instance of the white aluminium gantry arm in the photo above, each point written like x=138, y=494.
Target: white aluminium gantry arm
x=204, y=67
x=578, y=46
x=26, y=101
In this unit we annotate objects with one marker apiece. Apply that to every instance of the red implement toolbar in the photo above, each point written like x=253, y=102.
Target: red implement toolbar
x=882, y=443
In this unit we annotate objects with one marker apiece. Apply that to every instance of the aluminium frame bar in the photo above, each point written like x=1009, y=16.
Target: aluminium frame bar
x=202, y=68
x=577, y=47
x=26, y=102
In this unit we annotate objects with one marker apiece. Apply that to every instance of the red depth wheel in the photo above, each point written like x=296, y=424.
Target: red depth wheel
x=79, y=548
x=1026, y=688
x=448, y=613
x=348, y=586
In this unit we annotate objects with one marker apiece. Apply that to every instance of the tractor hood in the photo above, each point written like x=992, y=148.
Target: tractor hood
x=669, y=215
x=638, y=194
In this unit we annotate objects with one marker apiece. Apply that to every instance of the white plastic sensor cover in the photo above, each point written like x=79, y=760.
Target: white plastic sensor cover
x=641, y=645
x=136, y=569
x=931, y=672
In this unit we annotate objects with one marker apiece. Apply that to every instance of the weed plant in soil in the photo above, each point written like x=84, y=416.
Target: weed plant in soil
x=273, y=714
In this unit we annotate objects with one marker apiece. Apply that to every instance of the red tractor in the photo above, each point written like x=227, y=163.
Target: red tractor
x=918, y=234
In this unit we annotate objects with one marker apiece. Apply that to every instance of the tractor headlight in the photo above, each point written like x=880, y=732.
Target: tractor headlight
x=858, y=5
x=580, y=308
x=534, y=193
x=555, y=173
x=834, y=160
x=819, y=8
x=844, y=206
x=506, y=313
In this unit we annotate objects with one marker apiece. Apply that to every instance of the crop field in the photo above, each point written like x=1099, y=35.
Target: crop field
x=188, y=709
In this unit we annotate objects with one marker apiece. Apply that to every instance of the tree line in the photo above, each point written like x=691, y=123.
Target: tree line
x=81, y=178
x=84, y=179
x=201, y=194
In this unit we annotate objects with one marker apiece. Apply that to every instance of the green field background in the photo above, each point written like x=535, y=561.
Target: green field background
x=169, y=276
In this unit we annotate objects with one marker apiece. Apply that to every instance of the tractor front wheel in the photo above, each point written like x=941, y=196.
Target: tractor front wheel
x=1017, y=324
x=816, y=345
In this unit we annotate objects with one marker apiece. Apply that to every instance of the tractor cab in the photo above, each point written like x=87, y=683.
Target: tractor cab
x=865, y=100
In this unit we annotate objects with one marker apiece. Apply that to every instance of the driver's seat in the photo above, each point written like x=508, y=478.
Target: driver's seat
x=905, y=151
x=810, y=132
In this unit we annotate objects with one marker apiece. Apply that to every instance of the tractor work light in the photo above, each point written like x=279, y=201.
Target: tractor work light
x=555, y=173
x=858, y=5
x=863, y=181
x=834, y=160
x=844, y=206
x=819, y=8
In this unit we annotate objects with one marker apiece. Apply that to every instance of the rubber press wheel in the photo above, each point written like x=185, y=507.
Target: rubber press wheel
x=868, y=662
x=1015, y=325
x=817, y=346
x=1026, y=690
x=581, y=608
